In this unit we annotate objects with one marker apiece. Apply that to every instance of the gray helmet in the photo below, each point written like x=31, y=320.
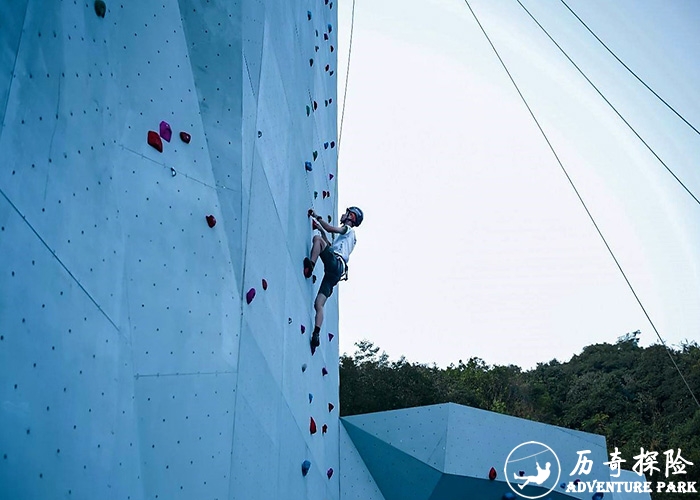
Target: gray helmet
x=358, y=215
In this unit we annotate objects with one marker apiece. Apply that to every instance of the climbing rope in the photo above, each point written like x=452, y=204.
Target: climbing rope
x=347, y=75
x=583, y=203
x=631, y=71
x=611, y=105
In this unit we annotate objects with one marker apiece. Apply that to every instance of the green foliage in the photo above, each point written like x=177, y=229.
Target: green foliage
x=633, y=396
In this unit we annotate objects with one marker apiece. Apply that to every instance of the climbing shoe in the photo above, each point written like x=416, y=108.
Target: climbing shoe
x=315, y=342
x=308, y=267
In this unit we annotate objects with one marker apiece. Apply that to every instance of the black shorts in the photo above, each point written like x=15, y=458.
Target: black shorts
x=333, y=268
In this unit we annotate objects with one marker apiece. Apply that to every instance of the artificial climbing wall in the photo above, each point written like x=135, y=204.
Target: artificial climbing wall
x=157, y=160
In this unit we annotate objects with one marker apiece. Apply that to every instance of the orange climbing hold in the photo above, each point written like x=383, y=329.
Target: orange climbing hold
x=154, y=140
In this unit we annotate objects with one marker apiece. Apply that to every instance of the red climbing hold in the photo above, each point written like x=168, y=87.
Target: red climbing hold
x=250, y=295
x=324, y=372
x=324, y=429
x=330, y=407
x=154, y=140
x=264, y=284
x=185, y=137
x=211, y=220
x=329, y=473
x=330, y=337
x=492, y=474
x=165, y=131
x=312, y=426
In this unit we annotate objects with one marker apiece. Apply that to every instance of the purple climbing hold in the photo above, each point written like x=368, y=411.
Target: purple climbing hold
x=324, y=372
x=303, y=329
x=250, y=295
x=165, y=131
x=330, y=337
x=329, y=473
x=308, y=166
x=305, y=466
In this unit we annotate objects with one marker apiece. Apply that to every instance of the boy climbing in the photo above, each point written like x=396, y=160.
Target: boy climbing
x=335, y=257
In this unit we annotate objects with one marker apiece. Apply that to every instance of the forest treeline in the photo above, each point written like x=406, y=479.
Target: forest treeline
x=634, y=396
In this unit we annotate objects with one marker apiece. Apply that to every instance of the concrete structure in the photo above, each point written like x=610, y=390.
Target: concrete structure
x=135, y=362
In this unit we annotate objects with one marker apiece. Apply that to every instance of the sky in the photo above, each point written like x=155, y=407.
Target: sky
x=474, y=243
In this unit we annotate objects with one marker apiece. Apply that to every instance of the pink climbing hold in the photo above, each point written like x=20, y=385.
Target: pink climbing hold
x=185, y=137
x=154, y=140
x=165, y=131
x=324, y=372
x=264, y=284
x=330, y=337
x=211, y=220
x=329, y=473
x=330, y=407
x=250, y=295
x=312, y=426
x=324, y=429
x=492, y=474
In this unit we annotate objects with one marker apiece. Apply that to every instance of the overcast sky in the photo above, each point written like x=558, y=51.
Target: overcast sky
x=474, y=242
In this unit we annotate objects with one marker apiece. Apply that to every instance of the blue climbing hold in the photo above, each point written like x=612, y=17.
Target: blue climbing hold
x=508, y=496
x=303, y=368
x=330, y=28
x=315, y=155
x=308, y=15
x=305, y=466
x=311, y=397
x=308, y=166
x=325, y=145
x=598, y=496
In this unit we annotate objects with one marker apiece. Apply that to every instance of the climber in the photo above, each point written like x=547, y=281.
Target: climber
x=541, y=477
x=335, y=258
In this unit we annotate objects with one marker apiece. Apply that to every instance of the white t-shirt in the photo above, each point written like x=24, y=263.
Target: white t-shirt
x=344, y=244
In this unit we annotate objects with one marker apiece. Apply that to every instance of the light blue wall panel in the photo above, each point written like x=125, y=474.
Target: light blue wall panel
x=11, y=22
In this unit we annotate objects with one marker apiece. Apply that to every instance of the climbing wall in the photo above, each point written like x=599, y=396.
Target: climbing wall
x=157, y=160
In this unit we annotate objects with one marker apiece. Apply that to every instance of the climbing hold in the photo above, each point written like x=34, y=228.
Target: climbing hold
x=324, y=429
x=326, y=2
x=330, y=219
x=315, y=194
x=165, y=131
x=154, y=140
x=330, y=407
x=325, y=36
x=325, y=145
x=324, y=372
x=313, y=279
x=315, y=105
x=330, y=28
x=173, y=172
x=259, y=134
x=328, y=66
x=332, y=144
x=492, y=474
x=576, y=481
x=303, y=368
x=289, y=321
x=250, y=295
x=264, y=284
x=311, y=398
x=562, y=486
x=311, y=62
x=330, y=337
x=324, y=195
x=329, y=473
x=303, y=329
x=308, y=166
x=312, y=426
x=308, y=15
x=316, y=47
x=330, y=100
x=315, y=155
x=211, y=220
x=331, y=5
x=330, y=177
x=332, y=49
x=326, y=102
x=100, y=8
x=185, y=137
x=508, y=496
x=305, y=466
x=316, y=33
x=598, y=496
x=308, y=110
x=331, y=73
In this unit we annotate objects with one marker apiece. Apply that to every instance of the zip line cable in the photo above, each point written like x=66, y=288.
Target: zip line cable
x=347, y=76
x=610, y=104
x=630, y=70
x=583, y=203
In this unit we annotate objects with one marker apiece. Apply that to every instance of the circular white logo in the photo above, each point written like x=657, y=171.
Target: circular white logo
x=530, y=468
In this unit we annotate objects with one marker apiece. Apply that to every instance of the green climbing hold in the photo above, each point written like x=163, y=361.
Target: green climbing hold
x=100, y=8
